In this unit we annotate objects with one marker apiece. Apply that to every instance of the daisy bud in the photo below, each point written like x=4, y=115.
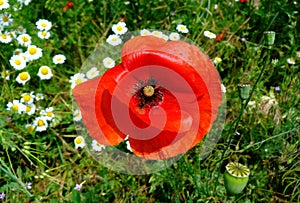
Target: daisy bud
x=269, y=37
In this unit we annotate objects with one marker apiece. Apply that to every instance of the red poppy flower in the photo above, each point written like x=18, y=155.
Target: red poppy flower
x=164, y=95
x=219, y=37
x=69, y=5
x=243, y=1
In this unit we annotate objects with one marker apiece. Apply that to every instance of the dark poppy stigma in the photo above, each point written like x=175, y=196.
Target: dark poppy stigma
x=148, y=94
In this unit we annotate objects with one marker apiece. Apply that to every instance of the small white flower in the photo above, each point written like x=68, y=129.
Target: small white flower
x=21, y=30
x=5, y=19
x=27, y=98
x=23, y=78
x=77, y=79
x=48, y=113
x=45, y=73
x=127, y=143
x=18, y=51
x=40, y=123
x=92, y=73
x=59, y=59
x=182, y=28
x=165, y=37
x=145, y=32
x=30, y=108
x=291, y=61
x=30, y=127
x=4, y=4
x=97, y=146
x=79, y=142
x=44, y=34
x=108, y=62
x=17, y=62
x=156, y=33
x=24, y=39
x=174, y=36
x=5, y=38
x=217, y=60
x=119, y=28
x=33, y=52
x=114, y=40
x=77, y=115
x=15, y=106
x=298, y=54
x=39, y=96
x=209, y=34
x=43, y=24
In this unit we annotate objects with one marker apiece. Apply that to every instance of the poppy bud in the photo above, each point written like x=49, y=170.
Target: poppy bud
x=236, y=178
x=219, y=37
x=269, y=37
x=244, y=90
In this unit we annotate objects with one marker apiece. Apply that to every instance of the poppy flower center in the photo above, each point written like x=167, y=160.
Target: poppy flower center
x=148, y=94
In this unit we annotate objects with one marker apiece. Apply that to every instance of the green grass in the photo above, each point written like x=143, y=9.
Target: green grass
x=265, y=136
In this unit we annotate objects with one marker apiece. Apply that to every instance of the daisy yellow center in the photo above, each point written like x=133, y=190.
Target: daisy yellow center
x=21, y=29
x=119, y=28
x=15, y=107
x=26, y=98
x=5, y=19
x=49, y=114
x=32, y=50
x=30, y=128
x=18, y=62
x=25, y=39
x=292, y=60
x=78, y=140
x=59, y=59
x=17, y=52
x=40, y=123
x=44, y=25
x=1, y=2
x=44, y=71
x=4, y=36
x=23, y=76
x=148, y=90
x=28, y=108
x=99, y=145
x=78, y=81
x=44, y=34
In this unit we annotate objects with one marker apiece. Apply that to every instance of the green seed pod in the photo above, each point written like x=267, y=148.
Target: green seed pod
x=244, y=90
x=236, y=178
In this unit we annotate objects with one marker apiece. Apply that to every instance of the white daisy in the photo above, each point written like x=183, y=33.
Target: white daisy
x=77, y=79
x=79, y=142
x=97, y=146
x=182, y=28
x=30, y=127
x=165, y=37
x=18, y=51
x=5, y=38
x=30, y=108
x=5, y=19
x=119, y=28
x=5, y=75
x=145, y=32
x=43, y=24
x=45, y=73
x=4, y=4
x=108, y=62
x=27, y=98
x=174, y=36
x=209, y=34
x=48, y=113
x=39, y=96
x=44, y=34
x=25, y=2
x=17, y=62
x=40, y=123
x=77, y=115
x=291, y=61
x=15, y=106
x=156, y=33
x=33, y=52
x=23, y=78
x=24, y=39
x=21, y=30
x=92, y=73
x=114, y=40
x=59, y=59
